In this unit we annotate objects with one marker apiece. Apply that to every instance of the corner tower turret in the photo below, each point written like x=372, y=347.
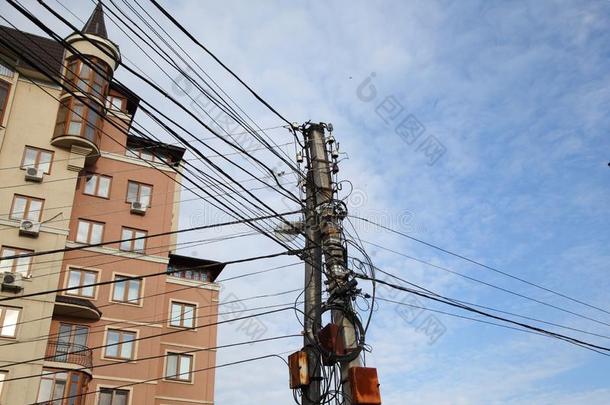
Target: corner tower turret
x=90, y=61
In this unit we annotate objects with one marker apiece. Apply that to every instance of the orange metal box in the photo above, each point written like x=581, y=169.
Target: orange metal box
x=299, y=372
x=365, y=386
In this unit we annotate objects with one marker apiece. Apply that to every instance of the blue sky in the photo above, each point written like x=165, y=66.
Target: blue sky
x=517, y=93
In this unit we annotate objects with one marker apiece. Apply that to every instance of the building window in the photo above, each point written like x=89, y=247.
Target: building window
x=86, y=79
x=8, y=321
x=52, y=386
x=5, y=90
x=178, y=367
x=58, y=384
x=80, y=281
x=190, y=274
x=71, y=341
x=133, y=245
x=126, y=289
x=119, y=344
x=145, y=153
x=115, y=103
x=38, y=158
x=139, y=192
x=89, y=231
x=19, y=265
x=25, y=207
x=77, y=119
x=182, y=315
x=97, y=185
x=109, y=396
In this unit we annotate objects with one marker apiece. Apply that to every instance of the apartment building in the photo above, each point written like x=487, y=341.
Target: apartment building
x=74, y=174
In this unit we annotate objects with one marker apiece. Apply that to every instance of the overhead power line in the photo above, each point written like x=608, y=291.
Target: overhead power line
x=153, y=336
x=473, y=279
x=98, y=366
x=480, y=264
x=459, y=301
x=166, y=233
x=199, y=44
x=44, y=27
x=444, y=300
x=268, y=356
x=148, y=275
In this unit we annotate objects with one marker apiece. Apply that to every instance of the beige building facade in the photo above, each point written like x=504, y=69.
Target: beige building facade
x=73, y=175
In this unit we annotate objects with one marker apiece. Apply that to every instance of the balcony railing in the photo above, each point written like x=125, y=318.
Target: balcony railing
x=64, y=352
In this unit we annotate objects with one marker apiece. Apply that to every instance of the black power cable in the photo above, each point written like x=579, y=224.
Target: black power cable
x=480, y=264
x=192, y=38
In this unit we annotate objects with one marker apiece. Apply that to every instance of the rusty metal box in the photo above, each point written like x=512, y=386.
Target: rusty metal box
x=299, y=372
x=331, y=340
x=365, y=386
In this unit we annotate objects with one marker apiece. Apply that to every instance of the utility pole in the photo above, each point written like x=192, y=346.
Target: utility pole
x=330, y=234
x=316, y=191
x=342, y=340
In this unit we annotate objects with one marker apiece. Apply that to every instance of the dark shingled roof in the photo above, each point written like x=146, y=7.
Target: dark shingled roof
x=95, y=24
x=45, y=52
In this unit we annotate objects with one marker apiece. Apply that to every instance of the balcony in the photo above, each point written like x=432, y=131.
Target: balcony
x=76, y=307
x=69, y=353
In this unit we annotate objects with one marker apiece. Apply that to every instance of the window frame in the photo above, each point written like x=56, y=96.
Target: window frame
x=183, y=306
x=102, y=388
x=3, y=310
x=132, y=242
x=204, y=275
x=77, y=292
x=177, y=378
x=73, y=76
x=139, y=193
x=51, y=373
x=126, y=291
x=14, y=265
x=39, y=152
x=4, y=104
x=119, y=346
x=110, y=105
x=63, y=121
x=52, y=376
x=153, y=151
x=27, y=207
x=89, y=230
x=97, y=185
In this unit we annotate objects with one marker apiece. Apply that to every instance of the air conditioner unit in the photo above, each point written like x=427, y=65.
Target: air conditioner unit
x=29, y=228
x=138, y=208
x=12, y=282
x=34, y=174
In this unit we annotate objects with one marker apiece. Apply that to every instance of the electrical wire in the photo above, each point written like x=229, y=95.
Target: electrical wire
x=547, y=304
x=244, y=260
x=439, y=298
x=480, y=264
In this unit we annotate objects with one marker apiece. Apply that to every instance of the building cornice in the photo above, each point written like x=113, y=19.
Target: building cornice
x=137, y=161
x=120, y=253
x=192, y=283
